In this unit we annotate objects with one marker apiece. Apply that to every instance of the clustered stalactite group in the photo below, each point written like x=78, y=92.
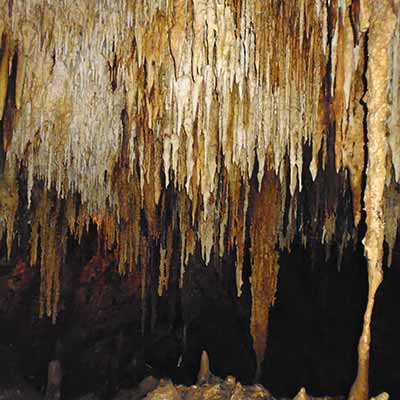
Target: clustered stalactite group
x=106, y=106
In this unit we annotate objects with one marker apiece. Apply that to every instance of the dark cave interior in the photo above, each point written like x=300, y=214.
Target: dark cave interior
x=103, y=345
x=106, y=340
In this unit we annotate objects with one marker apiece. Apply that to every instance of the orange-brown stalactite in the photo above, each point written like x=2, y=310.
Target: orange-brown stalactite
x=352, y=152
x=339, y=73
x=8, y=205
x=265, y=223
x=53, y=238
x=237, y=223
x=4, y=70
x=348, y=113
x=10, y=116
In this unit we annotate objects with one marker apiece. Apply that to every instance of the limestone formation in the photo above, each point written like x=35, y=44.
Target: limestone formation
x=177, y=126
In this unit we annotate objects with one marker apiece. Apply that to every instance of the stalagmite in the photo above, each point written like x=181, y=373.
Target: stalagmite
x=381, y=23
x=54, y=378
x=302, y=395
x=204, y=371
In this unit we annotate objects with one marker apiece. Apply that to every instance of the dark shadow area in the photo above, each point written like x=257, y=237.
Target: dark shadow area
x=216, y=322
x=98, y=336
x=315, y=323
x=385, y=331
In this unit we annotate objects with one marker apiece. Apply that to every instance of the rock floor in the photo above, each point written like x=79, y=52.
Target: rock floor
x=208, y=387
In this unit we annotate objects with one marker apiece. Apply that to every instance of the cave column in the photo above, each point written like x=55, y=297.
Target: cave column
x=379, y=18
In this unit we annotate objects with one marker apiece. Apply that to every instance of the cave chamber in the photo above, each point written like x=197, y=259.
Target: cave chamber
x=188, y=175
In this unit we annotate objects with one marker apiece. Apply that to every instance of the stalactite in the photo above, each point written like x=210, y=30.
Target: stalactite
x=264, y=259
x=166, y=251
x=237, y=223
x=4, y=71
x=394, y=99
x=184, y=86
x=352, y=152
x=347, y=106
x=8, y=204
x=52, y=251
x=116, y=104
x=381, y=23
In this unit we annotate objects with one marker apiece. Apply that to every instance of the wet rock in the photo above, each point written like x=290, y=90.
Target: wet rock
x=190, y=393
x=215, y=392
x=302, y=395
x=382, y=396
x=217, y=389
x=165, y=391
x=250, y=392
